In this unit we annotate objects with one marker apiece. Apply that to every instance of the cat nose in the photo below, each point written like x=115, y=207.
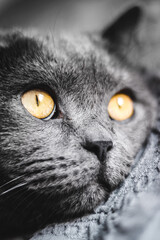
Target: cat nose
x=99, y=148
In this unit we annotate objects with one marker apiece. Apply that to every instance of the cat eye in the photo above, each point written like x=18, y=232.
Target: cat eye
x=39, y=104
x=120, y=107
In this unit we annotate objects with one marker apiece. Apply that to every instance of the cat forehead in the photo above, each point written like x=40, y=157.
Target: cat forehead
x=67, y=57
x=78, y=53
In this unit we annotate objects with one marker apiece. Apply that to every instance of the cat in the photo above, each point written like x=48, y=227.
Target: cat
x=62, y=162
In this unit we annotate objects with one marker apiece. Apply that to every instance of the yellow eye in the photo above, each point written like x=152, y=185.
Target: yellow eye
x=38, y=103
x=120, y=107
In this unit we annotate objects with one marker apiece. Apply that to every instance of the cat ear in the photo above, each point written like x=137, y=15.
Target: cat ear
x=121, y=34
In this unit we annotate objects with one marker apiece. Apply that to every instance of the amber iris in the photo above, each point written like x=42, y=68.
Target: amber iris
x=120, y=107
x=38, y=103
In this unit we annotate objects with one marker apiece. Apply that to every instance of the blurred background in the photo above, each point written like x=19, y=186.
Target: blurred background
x=90, y=15
x=84, y=14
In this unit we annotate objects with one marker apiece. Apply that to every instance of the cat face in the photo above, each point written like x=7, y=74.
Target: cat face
x=54, y=156
x=66, y=165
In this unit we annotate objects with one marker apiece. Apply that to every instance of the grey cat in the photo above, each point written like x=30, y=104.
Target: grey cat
x=62, y=165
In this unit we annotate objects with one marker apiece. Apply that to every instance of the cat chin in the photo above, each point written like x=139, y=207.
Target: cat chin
x=88, y=201
x=82, y=199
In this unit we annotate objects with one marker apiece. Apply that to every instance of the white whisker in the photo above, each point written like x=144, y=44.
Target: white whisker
x=5, y=184
x=13, y=188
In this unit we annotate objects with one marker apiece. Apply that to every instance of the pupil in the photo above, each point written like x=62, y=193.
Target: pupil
x=37, y=101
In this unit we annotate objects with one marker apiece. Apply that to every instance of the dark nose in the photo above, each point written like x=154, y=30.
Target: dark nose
x=99, y=148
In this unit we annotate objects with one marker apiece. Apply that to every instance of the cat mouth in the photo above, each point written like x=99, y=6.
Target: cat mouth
x=106, y=188
x=103, y=182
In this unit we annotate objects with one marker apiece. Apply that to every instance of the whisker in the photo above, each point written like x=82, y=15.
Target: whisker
x=13, y=194
x=13, y=188
x=13, y=180
x=52, y=30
